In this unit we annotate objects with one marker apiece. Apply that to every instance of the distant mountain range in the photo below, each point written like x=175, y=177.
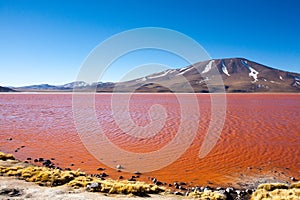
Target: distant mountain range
x=238, y=75
x=6, y=89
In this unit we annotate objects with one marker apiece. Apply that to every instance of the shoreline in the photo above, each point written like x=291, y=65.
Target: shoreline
x=22, y=179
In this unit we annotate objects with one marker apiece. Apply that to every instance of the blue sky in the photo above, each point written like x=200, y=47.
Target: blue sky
x=46, y=41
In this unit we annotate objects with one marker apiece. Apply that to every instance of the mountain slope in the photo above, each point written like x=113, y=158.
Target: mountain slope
x=6, y=89
x=217, y=75
x=49, y=88
x=238, y=75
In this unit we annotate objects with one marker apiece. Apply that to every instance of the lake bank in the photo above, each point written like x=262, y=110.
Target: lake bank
x=59, y=184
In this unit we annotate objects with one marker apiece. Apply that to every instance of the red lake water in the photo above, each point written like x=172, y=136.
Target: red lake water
x=260, y=138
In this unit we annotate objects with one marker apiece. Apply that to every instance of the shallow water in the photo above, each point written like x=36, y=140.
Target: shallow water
x=260, y=137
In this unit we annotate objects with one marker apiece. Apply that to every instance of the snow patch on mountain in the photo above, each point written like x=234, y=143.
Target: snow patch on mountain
x=224, y=68
x=280, y=77
x=184, y=71
x=208, y=67
x=161, y=74
x=253, y=73
x=76, y=84
x=297, y=83
x=141, y=79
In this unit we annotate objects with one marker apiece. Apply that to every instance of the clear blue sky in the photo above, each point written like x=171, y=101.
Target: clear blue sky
x=46, y=41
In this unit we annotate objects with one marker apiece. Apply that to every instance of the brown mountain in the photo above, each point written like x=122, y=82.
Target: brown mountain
x=217, y=75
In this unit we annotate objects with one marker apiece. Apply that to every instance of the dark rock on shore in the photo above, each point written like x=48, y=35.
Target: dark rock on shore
x=11, y=192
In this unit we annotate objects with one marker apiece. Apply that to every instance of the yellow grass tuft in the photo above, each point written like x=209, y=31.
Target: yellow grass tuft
x=4, y=156
x=211, y=195
x=296, y=185
x=272, y=186
x=129, y=187
x=276, y=191
x=81, y=181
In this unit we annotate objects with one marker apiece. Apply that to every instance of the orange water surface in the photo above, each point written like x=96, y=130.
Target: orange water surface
x=260, y=138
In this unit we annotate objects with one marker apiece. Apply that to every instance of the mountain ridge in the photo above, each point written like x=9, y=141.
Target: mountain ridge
x=237, y=75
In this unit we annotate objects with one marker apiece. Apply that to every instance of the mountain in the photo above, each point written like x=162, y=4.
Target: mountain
x=238, y=75
x=52, y=88
x=6, y=89
x=217, y=75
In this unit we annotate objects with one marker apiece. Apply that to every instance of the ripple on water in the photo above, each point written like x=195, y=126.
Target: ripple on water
x=261, y=133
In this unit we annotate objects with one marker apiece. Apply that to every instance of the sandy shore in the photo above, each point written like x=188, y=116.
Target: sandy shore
x=12, y=188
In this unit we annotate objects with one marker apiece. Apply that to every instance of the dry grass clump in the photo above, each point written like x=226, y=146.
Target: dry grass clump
x=295, y=185
x=277, y=191
x=272, y=186
x=129, y=187
x=42, y=175
x=54, y=177
x=212, y=195
x=4, y=156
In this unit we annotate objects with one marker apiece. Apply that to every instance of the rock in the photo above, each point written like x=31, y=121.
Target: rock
x=36, y=160
x=9, y=139
x=41, y=159
x=103, y=175
x=93, y=187
x=178, y=193
x=182, y=188
x=182, y=183
x=207, y=188
x=100, y=169
x=249, y=191
x=22, y=146
x=229, y=190
x=121, y=177
x=223, y=192
x=293, y=179
x=52, y=158
x=28, y=158
x=47, y=162
x=131, y=179
x=119, y=167
x=158, y=183
x=137, y=173
x=68, y=169
x=196, y=189
x=11, y=192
